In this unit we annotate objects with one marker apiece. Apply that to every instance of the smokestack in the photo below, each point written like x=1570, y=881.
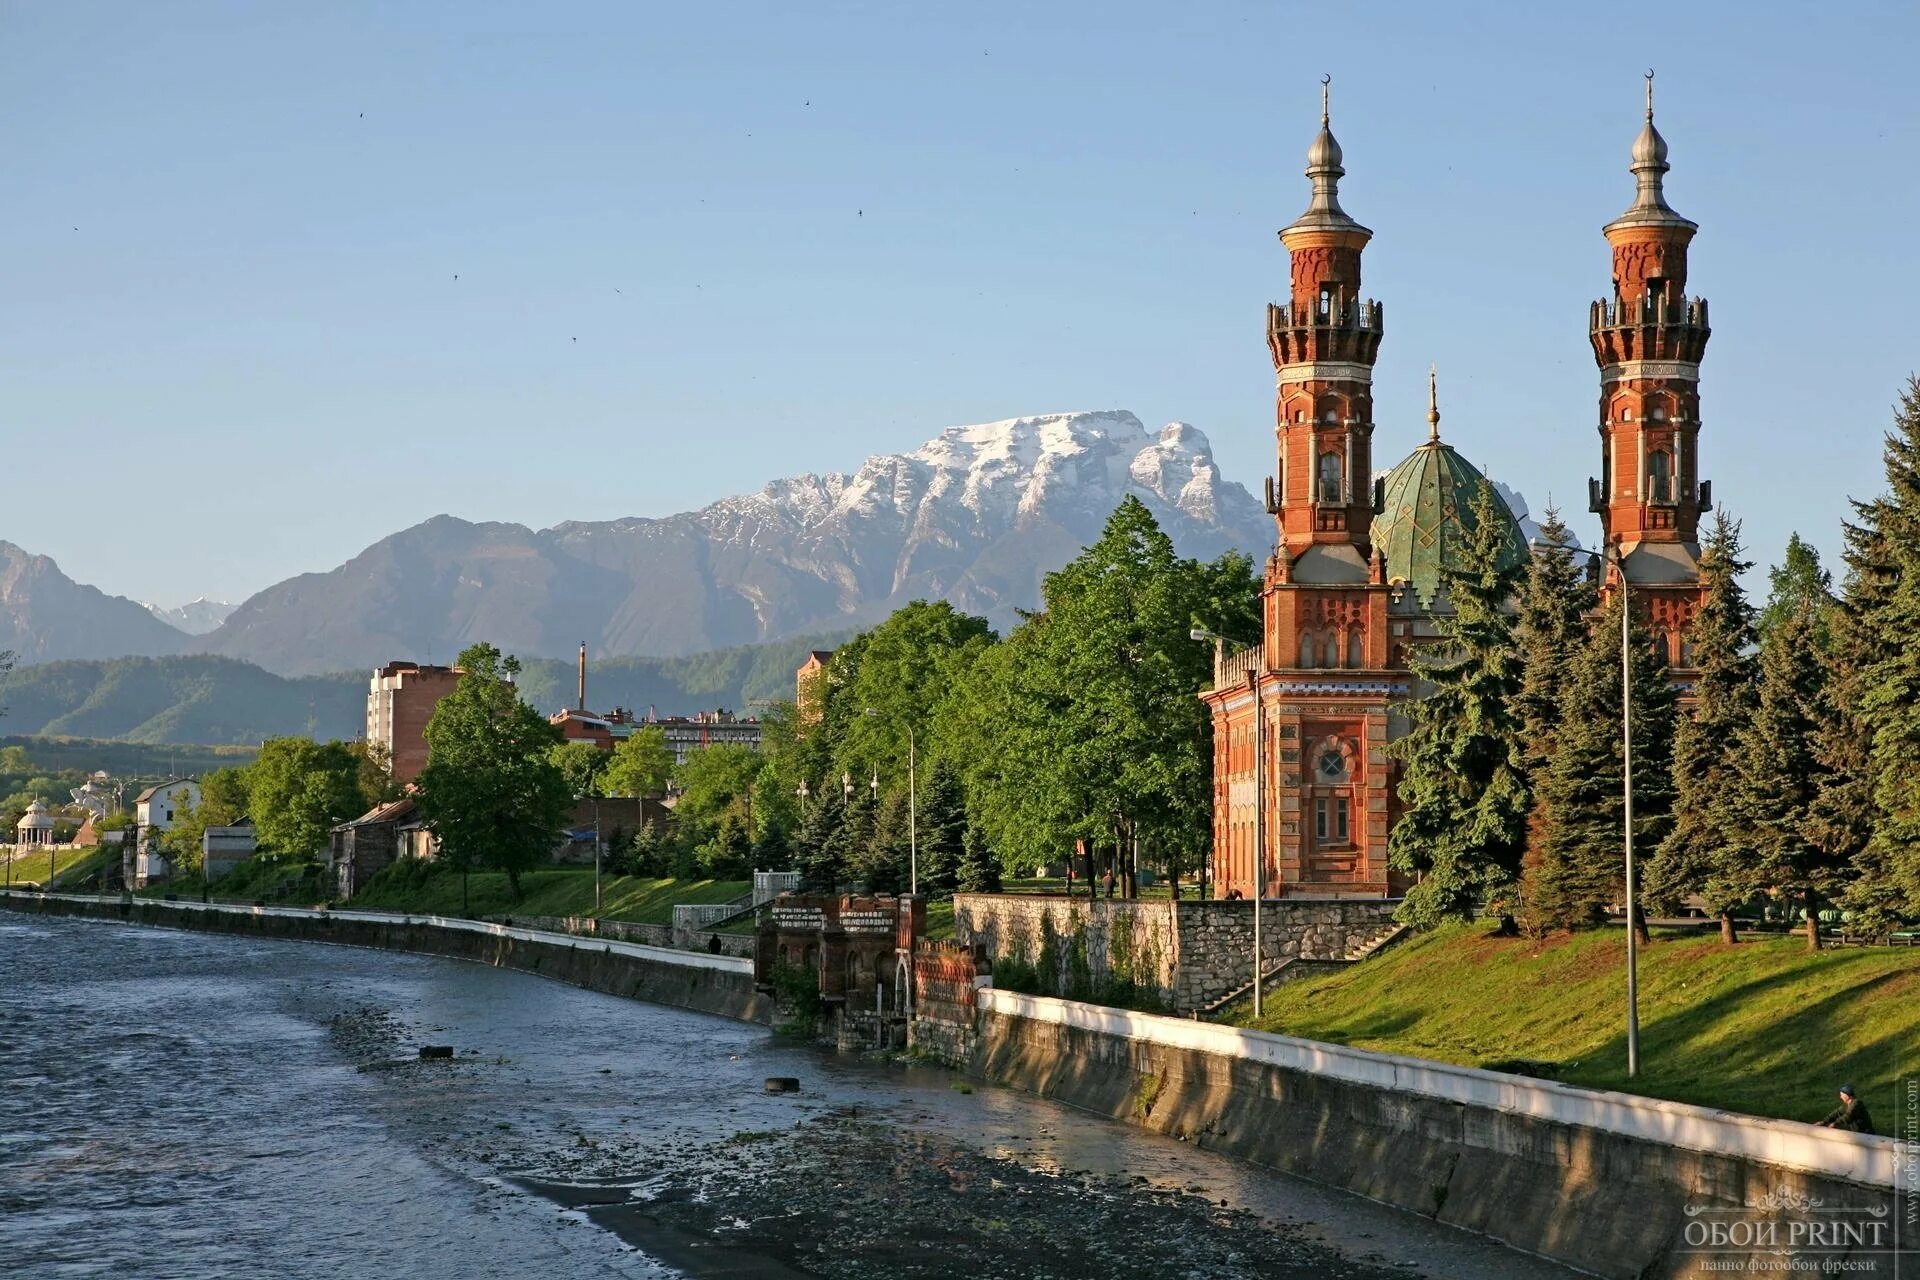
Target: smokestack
x=583, y=675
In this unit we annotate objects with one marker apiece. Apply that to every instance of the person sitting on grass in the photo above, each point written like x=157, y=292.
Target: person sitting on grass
x=1851, y=1114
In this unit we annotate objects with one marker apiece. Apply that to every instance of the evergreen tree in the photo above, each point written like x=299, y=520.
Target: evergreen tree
x=816, y=852
x=1890, y=697
x=852, y=841
x=1709, y=851
x=882, y=864
x=1463, y=827
x=1581, y=868
x=1778, y=772
x=943, y=826
x=1552, y=629
x=979, y=869
x=1844, y=813
x=1798, y=582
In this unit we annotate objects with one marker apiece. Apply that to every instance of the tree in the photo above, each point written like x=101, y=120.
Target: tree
x=1795, y=584
x=816, y=852
x=299, y=789
x=893, y=682
x=1463, y=828
x=1552, y=629
x=1709, y=850
x=377, y=783
x=883, y=864
x=641, y=764
x=715, y=782
x=582, y=765
x=1581, y=865
x=852, y=841
x=491, y=791
x=1778, y=770
x=979, y=870
x=943, y=826
x=1889, y=697
x=223, y=801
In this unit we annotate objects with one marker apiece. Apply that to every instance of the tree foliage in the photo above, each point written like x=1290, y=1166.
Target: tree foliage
x=298, y=789
x=641, y=764
x=491, y=791
x=1709, y=850
x=1462, y=831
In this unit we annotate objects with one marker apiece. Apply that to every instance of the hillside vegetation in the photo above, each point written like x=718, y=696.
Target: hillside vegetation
x=1765, y=1027
x=430, y=889
x=201, y=699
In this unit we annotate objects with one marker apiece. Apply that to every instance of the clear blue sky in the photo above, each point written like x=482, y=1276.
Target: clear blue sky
x=700, y=246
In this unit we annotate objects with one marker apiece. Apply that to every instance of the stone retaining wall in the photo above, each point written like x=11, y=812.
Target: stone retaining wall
x=1189, y=954
x=1608, y=1183
x=699, y=982
x=651, y=935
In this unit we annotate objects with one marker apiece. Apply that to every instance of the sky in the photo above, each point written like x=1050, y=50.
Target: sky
x=279, y=280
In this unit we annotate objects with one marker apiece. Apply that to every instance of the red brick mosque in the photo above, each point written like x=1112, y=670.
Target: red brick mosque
x=1355, y=576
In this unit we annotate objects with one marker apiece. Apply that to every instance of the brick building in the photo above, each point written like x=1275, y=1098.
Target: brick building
x=400, y=700
x=1303, y=788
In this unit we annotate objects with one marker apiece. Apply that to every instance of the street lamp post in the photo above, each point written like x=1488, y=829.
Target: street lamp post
x=596, y=863
x=1259, y=805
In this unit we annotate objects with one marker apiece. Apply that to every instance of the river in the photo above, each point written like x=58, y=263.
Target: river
x=175, y=1104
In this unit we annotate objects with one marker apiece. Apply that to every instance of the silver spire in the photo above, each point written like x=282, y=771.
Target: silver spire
x=1324, y=169
x=1649, y=171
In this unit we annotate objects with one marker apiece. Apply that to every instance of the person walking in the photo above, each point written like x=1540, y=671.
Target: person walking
x=1851, y=1114
x=1107, y=880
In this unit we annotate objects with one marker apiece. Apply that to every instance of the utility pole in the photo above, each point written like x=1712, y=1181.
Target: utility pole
x=913, y=822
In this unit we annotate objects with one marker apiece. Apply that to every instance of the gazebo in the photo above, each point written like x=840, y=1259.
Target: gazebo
x=35, y=827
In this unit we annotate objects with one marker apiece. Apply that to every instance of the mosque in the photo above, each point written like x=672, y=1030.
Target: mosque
x=1302, y=720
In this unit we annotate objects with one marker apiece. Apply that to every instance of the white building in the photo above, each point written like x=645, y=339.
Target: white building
x=155, y=810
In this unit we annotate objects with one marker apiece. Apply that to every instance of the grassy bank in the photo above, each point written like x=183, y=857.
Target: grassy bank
x=427, y=888
x=71, y=867
x=1765, y=1027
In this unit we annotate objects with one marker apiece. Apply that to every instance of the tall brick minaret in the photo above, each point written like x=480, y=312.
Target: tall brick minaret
x=1302, y=785
x=1648, y=338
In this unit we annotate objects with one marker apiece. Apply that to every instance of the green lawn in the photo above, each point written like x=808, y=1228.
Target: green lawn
x=1764, y=1027
x=429, y=889
x=70, y=866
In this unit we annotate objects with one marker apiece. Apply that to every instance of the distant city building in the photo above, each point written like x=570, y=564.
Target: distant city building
x=400, y=701
x=156, y=810
x=224, y=848
x=807, y=693
x=684, y=734
x=370, y=843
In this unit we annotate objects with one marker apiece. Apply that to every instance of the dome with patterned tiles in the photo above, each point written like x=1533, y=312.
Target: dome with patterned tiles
x=1427, y=515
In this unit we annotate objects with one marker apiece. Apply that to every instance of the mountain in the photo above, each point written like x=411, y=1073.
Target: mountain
x=197, y=698
x=44, y=615
x=196, y=617
x=977, y=516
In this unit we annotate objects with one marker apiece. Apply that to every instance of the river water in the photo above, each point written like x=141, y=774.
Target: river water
x=181, y=1105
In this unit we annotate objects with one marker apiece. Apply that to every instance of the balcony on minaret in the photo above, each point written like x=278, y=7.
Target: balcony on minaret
x=1331, y=327
x=1654, y=327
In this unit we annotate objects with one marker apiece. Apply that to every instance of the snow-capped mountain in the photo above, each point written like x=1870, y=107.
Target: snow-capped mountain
x=978, y=516
x=196, y=617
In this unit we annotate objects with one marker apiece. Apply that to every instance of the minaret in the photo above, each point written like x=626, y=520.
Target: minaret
x=1324, y=340
x=1648, y=339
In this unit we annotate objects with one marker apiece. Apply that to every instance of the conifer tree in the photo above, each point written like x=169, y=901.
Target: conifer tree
x=1582, y=866
x=1463, y=827
x=1777, y=771
x=851, y=844
x=1551, y=631
x=816, y=852
x=1889, y=700
x=979, y=870
x=883, y=863
x=1708, y=851
x=943, y=825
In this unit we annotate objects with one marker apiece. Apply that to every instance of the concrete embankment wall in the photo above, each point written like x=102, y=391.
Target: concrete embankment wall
x=687, y=980
x=1602, y=1181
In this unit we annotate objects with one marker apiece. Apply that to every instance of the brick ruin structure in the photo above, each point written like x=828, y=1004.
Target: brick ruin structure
x=1304, y=791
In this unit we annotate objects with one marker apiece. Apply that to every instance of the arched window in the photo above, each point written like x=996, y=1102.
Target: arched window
x=1306, y=649
x=1660, y=476
x=1330, y=477
x=1356, y=652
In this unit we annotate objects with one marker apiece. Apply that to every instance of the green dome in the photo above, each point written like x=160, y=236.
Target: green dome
x=1428, y=516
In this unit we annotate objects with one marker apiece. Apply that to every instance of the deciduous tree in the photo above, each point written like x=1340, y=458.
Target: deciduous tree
x=641, y=764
